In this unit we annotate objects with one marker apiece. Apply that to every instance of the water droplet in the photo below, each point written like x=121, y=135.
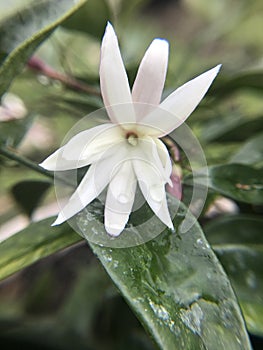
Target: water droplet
x=123, y=198
x=193, y=318
x=156, y=192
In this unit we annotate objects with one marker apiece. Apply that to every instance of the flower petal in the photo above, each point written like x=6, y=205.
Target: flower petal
x=151, y=151
x=179, y=104
x=120, y=198
x=153, y=190
x=149, y=82
x=164, y=157
x=114, y=82
x=92, y=184
x=84, y=148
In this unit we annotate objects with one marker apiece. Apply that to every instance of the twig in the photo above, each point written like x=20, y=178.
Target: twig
x=13, y=155
x=37, y=64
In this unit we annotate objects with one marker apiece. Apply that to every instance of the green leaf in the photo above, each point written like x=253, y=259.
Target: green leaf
x=251, y=152
x=174, y=283
x=29, y=193
x=33, y=243
x=229, y=85
x=178, y=290
x=23, y=31
x=235, y=229
x=238, y=242
x=12, y=132
x=240, y=182
x=243, y=264
x=91, y=19
x=230, y=128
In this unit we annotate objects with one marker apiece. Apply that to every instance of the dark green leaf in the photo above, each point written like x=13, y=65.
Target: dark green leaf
x=229, y=85
x=33, y=243
x=235, y=229
x=231, y=128
x=91, y=19
x=29, y=193
x=12, y=132
x=243, y=264
x=23, y=31
x=251, y=152
x=178, y=290
x=240, y=182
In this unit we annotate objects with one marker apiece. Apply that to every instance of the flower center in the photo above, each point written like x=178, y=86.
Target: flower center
x=132, y=138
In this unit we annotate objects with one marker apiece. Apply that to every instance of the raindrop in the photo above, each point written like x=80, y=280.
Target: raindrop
x=156, y=192
x=123, y=198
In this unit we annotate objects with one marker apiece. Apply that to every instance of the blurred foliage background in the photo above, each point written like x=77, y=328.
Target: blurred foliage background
x=67, y=300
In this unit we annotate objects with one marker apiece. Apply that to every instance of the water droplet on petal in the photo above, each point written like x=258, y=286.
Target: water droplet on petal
x=123, y=198
x=156, y=192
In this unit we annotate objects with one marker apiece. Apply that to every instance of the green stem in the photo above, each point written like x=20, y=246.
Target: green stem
x=10, y=154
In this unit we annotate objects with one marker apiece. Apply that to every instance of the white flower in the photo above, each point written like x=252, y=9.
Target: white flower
x=127, y=150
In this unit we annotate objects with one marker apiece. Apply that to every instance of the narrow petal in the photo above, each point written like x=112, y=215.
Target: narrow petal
x=84, y=148
x=114, y=82
x=93, y=183
x=149, y=82
x=153, y=190
x=164, y=157
x=120, y=198
x=179, y=104
x=152, y=152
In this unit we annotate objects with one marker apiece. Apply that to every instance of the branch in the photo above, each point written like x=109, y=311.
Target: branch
x=38, y=65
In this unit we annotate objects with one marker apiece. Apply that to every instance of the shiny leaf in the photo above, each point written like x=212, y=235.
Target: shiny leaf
x=23, y=31
x=178, y=290
x=33, y=243
x=240, y=182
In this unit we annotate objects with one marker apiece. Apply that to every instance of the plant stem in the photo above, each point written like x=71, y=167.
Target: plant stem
x=11, y=154
x=37, y=64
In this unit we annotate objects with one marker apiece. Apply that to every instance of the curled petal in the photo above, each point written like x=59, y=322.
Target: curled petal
x=152, y=152
x=153, y=190
x=84, y=148
x=120, y=198
x=92, y=184
x=177, y=107
x=114, y=82
x=164, y=157
x=149, y=82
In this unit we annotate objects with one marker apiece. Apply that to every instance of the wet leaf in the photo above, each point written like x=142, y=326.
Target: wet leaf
x=23, y=31
x=33, y=243
x=178, y=290
x=240, y=182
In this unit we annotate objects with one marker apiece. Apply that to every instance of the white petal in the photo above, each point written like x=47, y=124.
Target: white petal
x=179, y=104
x=149, y=82
x=151, y=151
x=114, y=82
x=164, y=157
x=93, y=183
x=120, y=198
x=84, y=148
x=153, y=190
